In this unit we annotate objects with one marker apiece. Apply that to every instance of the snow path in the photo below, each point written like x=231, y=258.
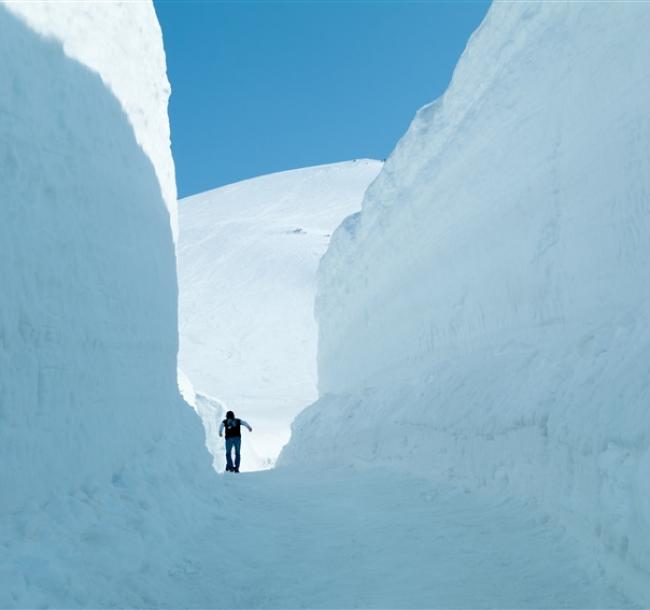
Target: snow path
x=343, y=539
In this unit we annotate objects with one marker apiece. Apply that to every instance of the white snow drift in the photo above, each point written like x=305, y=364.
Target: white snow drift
x=485, y=319
x=247, y=260
x=101, y=463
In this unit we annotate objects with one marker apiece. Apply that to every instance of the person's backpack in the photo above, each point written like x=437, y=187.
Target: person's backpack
x=233, y=427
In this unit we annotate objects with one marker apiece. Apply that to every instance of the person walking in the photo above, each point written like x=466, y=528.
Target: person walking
x=232, y=426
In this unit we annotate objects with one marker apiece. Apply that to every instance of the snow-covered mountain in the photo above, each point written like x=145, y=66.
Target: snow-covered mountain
x=484, y=320
x=100, y=459
x=247, y=260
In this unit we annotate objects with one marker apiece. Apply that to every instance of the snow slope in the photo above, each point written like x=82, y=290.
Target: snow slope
x=102, y=465
x=247, y=259
x=484, y=320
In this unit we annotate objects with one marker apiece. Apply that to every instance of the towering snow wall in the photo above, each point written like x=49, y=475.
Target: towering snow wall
x=485, y=318
x=97, y=449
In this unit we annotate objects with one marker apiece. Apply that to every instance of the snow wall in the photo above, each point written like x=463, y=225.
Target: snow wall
x=107, y=37
x=97, y=449
x=485, y=318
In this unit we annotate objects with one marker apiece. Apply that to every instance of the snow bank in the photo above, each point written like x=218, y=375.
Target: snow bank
x=247, y=260
x=101, y=463
x=485, y=318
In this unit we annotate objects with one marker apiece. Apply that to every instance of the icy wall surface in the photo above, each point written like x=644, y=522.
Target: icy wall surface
x=101, y=462
x=101, y=35
x=247, y=260
x=485, y=318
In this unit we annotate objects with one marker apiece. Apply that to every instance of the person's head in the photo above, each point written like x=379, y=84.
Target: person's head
x=230, y=415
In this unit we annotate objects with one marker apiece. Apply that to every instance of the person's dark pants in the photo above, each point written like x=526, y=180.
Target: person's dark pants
x=230, y=443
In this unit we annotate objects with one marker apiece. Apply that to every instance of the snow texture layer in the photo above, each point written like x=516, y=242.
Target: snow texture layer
x=247, y=260
x=95, y=34
x=97, y=449
x=484, y=320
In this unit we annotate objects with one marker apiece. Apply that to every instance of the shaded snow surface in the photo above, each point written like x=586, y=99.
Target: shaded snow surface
x=102, y=465
x=375, y=539
x=247, y=260
x=100, y=35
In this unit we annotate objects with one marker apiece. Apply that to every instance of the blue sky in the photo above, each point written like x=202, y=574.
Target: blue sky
x=260, y=87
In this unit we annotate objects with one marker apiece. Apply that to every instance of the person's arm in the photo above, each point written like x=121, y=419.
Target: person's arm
x=221, y=429
x=243, y=423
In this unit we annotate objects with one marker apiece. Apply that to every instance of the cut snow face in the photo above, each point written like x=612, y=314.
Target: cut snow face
x=485, y=318
x=88, y=298
x=247, y=260
x=100, y=460
x=99, y=35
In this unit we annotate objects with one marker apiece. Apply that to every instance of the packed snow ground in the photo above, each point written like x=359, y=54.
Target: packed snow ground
x=290, y=538
x=335, y=539
x=247, y=260
x=343, y=538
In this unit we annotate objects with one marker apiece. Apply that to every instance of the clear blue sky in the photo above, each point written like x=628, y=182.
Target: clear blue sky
x=260, y=87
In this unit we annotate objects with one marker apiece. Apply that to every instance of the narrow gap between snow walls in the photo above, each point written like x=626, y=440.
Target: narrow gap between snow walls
x=482, y=339
x=248, y=256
